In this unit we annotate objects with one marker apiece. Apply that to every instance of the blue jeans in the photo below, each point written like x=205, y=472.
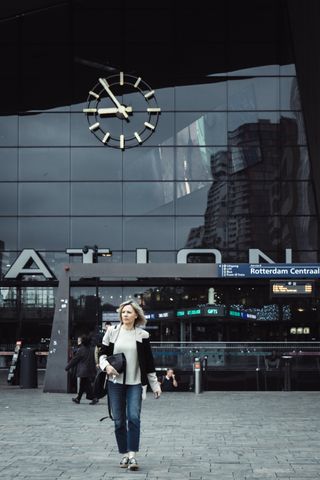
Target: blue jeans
x=125, y=403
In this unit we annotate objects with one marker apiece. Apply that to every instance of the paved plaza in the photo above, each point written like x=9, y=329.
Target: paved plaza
x=214, y=435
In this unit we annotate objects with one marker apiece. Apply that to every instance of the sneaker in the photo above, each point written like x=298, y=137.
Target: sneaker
x=76, y=400
x=133, y=464
x=124, y=462
x=94, y=401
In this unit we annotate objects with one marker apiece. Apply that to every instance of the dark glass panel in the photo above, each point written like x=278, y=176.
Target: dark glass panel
x=106, y=232
x=9, y=131
x=196, y=163
x=93, y=26
x=44, y=129
x=148, y=163
x=205, y=27
x=299, y=233
x=48, y=25
x=96, y=163
x=246, y=231
x=110, y=299
x=9, y=80
x=149, y=232
x=8, y=199
x=164, y=132
x=138, y=22
x=196, y=59
x=45, y=77
x=288, y=70
x=260, y=162
x=44, y=233
x=292, y=130
x=8, y=235
x=85, y=306
x=148, y=198
x=295, y=163
x=81, y=136
x=264, y=27
x=253, y=128
x=8, y=164
x=154, y=62
x=44, y=198
x=9, y=31
x=289, y=94
x=297, y=198
x=189, y=232
x=253, y=59
x=55, y=260
x=44, y=164
x=195, y=129
x=202, y=97
x=261, y=93
x=246, y=197
x=96, y=198
x=193, y=198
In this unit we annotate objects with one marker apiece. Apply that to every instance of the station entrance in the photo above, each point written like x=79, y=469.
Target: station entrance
x=191, y=308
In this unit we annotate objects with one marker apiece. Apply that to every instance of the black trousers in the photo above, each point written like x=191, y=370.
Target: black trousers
x=85, y=387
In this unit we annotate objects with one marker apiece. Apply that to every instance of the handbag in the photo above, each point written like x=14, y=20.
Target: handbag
x=100, y=383
x=118, y=362
x=100, y=386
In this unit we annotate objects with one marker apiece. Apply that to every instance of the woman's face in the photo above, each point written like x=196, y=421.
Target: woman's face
x=128, y=316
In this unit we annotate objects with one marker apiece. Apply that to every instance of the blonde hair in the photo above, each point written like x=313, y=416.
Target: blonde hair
x=141, y=319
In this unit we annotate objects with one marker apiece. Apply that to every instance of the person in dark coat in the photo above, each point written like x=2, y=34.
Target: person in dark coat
x=83, y=361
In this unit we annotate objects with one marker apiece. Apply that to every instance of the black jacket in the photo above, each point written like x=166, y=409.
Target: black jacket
x=83, y=361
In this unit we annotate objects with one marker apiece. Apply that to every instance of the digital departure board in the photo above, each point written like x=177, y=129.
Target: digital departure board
x=292, y=288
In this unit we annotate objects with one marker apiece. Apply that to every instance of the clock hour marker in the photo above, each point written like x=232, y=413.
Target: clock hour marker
x=149, y=125
x=122, y=142
x=154, y=110
x=121, y=78
x=89, y=110
x=136, y=134
x=94, y=94
x=149, y=94
x=94, y=126
x=137, y=82
x=105, y=138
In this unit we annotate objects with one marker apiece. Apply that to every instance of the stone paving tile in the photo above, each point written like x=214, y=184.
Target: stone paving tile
x=215, y=435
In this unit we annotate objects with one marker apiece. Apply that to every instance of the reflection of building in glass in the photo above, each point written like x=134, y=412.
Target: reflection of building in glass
x=298, y=228
x=260, y=187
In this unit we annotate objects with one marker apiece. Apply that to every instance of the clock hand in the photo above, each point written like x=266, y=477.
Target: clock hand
x=121, y=108
x=103, y=111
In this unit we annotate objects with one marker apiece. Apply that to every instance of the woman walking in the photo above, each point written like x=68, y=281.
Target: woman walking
x=84, y=363
x=125, y=393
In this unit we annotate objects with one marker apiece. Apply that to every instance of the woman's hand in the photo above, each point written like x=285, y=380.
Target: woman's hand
x=111, y=371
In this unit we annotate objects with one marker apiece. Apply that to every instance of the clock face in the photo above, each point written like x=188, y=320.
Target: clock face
x=122, y=111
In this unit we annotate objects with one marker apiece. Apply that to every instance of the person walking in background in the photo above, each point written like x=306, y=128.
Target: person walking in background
x=168, y=381
x=83, y=362
x=125, y=394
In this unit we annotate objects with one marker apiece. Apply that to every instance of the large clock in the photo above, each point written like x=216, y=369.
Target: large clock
x=122, y=111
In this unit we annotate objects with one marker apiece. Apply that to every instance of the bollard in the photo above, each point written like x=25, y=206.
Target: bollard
x=28, y=368
x=197, y=375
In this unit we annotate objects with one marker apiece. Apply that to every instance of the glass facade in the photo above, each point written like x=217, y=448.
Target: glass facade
x=227, y=166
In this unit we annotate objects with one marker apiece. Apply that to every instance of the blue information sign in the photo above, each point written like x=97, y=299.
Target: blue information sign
x=269, y=270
